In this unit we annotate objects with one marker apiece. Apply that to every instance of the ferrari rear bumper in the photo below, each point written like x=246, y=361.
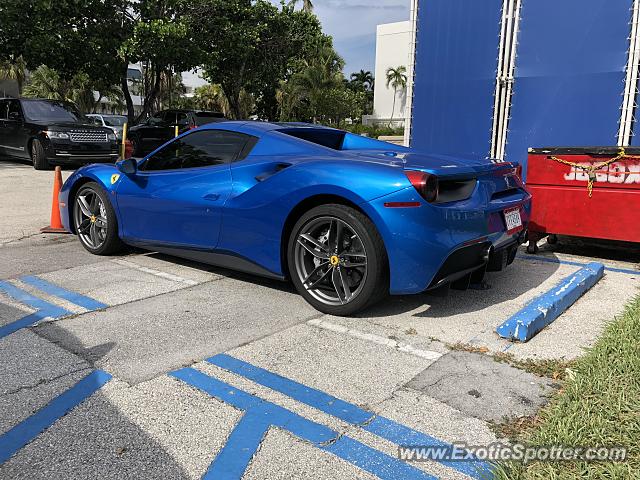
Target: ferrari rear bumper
x=467, y=265
x=430, y=246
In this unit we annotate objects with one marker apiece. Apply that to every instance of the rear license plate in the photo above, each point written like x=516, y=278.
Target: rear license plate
x=513, y=220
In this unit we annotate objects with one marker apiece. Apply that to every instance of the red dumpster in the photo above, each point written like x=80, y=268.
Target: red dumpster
x=585, y=192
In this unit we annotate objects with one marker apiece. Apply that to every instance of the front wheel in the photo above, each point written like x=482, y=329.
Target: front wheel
x=337, y=260
x=39, y=156
x=95, y=221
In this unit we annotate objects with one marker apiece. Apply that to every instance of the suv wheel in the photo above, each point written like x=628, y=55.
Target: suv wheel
x=38, y=156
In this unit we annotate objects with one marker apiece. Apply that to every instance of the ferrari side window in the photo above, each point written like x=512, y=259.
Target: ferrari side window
x=202, y=148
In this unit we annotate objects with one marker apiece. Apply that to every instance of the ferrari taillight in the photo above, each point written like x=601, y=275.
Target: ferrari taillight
x=425, y=183
x=519, y=171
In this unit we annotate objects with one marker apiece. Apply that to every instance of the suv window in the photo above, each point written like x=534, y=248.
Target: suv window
x=182, y=120
x=48, y=110
x=202, y=148
x=169, y=117
x=4, y=109
x=202, y=118
x=14, y=107
x=157, y=119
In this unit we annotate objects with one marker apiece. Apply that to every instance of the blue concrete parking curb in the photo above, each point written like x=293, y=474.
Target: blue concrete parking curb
x=543, y=310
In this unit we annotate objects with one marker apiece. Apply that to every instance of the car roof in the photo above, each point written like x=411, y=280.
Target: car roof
x=187, y=110
x=262, y=126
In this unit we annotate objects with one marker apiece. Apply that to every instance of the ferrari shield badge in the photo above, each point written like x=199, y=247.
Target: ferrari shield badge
x=114, y=178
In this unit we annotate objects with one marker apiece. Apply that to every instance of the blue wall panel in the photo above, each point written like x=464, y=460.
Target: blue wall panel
x=569, y=76
x=456, y=60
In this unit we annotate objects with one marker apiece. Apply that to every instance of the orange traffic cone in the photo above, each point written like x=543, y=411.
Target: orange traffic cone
x=56, y=223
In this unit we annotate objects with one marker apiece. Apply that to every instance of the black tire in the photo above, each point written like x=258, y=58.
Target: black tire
x=111, y=242
x=552, y=239
x=38, y=156
x=532, y=247
x=374, y=285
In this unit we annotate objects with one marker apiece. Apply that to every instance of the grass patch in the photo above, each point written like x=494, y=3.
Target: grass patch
x=553, y=368
x=599, y=405
x=513, y=429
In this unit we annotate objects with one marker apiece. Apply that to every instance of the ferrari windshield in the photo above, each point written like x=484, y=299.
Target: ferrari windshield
x=51, y=111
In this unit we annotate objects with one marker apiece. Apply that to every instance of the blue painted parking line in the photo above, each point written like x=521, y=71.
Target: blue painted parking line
x=55, y=290
x=43, y=309
x=380, y=426
x=577, y=264
x=260, y=415
x=29, y=429
x=543, y=310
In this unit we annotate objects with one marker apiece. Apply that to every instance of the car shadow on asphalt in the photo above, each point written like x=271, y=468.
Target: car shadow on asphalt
x=241, y=276
x=505, y=286
x=515, y=280
x=599, y=249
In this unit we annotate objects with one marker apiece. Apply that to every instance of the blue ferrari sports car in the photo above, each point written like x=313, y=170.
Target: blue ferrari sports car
x=348, y=219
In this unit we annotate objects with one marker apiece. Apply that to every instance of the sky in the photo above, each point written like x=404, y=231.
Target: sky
x=352, y=24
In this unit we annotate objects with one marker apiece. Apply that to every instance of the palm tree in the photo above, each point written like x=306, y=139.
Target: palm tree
x=364, y=78
x=211, y=97
x=14, y=70
x=307, y=5
x=397, y=78
x=323, y=72
x=45, y=83
x=289, y=96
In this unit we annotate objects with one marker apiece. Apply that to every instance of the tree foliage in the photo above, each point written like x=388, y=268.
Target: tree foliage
x=46, y=82
x=251, y=46
x=362, y=80
x=252, y=49
x=318, y=92
x=397, y=79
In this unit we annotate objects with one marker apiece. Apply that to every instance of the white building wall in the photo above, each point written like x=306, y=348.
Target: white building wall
x=393, y=41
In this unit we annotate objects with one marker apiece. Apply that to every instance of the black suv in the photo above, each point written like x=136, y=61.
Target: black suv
x=51, y=132
x=161, y=128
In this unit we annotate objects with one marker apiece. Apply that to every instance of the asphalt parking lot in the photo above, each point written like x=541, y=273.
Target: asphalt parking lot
x=191, y=370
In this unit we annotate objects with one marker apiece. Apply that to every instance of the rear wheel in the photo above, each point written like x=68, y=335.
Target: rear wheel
x=95, y=221
x=337, y=260
x=38, y=156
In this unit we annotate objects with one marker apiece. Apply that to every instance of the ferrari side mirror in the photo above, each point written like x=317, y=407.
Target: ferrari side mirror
x=128, y=166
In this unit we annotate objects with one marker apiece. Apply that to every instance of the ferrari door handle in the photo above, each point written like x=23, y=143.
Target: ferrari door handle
x=212, y=196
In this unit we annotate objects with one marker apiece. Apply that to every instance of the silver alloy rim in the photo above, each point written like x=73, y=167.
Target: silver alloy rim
x=330, y=260
x=90, y=217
